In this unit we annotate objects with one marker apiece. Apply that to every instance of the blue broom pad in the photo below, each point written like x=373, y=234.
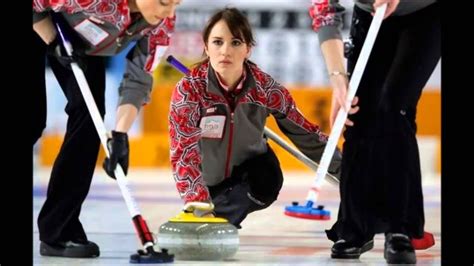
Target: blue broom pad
x=307, y=209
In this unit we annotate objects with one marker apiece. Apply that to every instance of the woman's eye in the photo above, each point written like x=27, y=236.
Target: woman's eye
x=217, y=42
x=236, y=43
x=164, y=2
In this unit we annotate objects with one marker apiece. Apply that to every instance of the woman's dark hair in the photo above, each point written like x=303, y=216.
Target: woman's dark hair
x=237, y=22
x=238, y=25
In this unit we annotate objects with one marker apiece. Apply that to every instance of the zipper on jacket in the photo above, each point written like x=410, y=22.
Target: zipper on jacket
x=229, y=147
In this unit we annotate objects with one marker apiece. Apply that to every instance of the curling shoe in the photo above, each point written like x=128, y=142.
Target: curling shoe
x=398, y=249
x=349, y=250
x=70, y=249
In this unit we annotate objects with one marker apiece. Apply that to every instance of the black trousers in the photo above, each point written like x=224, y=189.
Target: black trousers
x=39, y=91
x=381, y=179
x=73, y=168
x=254, y=185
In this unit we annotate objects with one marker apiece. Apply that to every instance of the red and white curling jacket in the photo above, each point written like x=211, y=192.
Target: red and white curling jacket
x=209, y=135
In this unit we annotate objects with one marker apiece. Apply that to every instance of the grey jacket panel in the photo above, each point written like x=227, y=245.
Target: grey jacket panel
x=39, y=16
x=247, y=134
x=136, y=84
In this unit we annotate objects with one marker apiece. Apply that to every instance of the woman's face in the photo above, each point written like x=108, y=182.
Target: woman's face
x=153, y=11
x=226, y=52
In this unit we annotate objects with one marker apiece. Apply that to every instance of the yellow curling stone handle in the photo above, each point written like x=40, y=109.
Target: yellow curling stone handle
x=188, y=217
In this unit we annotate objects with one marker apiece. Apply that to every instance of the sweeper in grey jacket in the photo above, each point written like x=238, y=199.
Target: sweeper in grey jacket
x=380, y=184
x=95, y=28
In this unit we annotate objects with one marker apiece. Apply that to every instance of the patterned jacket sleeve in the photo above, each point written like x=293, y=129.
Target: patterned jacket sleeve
x=141, y=62
x=307, y=137
x=326, y=18
x=41, y=7
x=184, y=135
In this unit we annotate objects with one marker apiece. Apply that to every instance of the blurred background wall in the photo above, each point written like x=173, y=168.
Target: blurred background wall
x=287, y=49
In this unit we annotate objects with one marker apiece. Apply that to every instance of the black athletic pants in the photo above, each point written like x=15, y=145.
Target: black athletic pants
x=73, y=168
x=381, y=179
x=254, y=185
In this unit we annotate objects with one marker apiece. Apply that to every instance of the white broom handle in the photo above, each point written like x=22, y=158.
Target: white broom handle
x=342, y=114
x=100, y=127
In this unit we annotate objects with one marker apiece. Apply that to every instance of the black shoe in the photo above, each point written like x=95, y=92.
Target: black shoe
x=347, y=250
x=398, y=249
x=70, y=249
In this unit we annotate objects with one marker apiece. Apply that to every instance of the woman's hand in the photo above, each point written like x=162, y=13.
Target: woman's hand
x=391, y=6
x=45, y=29
x=339, y=84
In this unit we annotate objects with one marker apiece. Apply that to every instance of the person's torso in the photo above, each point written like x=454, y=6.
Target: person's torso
x=106, y=37
x=231, y=135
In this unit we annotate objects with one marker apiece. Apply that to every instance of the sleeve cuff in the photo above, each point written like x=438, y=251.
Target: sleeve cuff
x=328, y=32
x=39, y=16
x=135, y=98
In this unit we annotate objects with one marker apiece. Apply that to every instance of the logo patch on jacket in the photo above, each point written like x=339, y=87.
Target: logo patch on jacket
x=92, y=32
x=212, y=126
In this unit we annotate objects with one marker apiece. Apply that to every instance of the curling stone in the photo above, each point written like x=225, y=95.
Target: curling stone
x=198, y=238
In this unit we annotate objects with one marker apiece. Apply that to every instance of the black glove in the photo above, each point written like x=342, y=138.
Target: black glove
x=119, y=153
x=56, y=49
